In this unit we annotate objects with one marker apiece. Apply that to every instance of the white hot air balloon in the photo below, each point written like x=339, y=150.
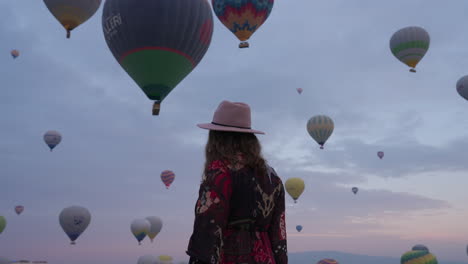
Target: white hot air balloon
x=140, y=228
x=462, y=87
x=409, y=45
x=52, y=138
x=74, y=221
x=156, y=225
x=147, y=259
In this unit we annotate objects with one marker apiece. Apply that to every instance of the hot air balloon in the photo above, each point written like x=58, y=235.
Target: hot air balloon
x=299, y=228
x=467, y=249
x=74, y=221
x=418, y=257
x=155, y=228
x=3, y=223
x=327, y=261
x=52, y=138
x=462, y=87
x=15, y=53
x=355, y=190
x=420, y=247
x=4, y=260
x=72, y=13
x=295, y=187
x=19, y=209
x=380, y=154
x=147, y=259
x=243, y=17
x=140, y=228
x=164, y=259
x=158, y=43
x=167, y=177
x=409, y=45
x=320, y=128
x=299, y=90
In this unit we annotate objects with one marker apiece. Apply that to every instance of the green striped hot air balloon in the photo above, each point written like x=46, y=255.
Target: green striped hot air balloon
x=320, y=128
x=418, y=257
x=158, y=43
x=409, y=45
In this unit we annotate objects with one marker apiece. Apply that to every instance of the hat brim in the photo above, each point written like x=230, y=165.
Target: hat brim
x=210, y=126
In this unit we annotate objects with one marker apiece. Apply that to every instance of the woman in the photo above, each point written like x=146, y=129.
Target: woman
x=240, y=213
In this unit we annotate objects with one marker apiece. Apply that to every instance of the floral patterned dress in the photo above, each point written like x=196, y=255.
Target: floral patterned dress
x=239, y=218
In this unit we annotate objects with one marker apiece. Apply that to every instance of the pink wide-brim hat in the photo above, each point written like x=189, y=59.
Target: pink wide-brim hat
x=233, y=117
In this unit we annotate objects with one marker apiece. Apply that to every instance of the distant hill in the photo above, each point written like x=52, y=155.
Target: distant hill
x=312, y=257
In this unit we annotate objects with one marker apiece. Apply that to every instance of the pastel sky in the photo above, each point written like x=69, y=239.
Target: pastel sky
x=113, y=150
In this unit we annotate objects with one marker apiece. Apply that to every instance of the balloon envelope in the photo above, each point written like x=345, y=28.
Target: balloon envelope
x=52, y=138
x=380, y=154
x=147, y=259
x=243, y=17
x=420, y=247
x=72, y=13
x=74, y=220
x=327, y=261
x=19, y=209
x=409, y=45
x=320, y=128
x=355, y=190
x=3, y=223
x=462, y=87
x=155, y=228
x=167, y=177
x=299, y=228
x=295, y=187
x=418, y=257
x=165, y=259
x=140, y=228
x=158, y=43
x=15, y=54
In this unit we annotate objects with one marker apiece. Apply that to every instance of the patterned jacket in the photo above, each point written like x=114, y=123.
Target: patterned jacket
x=239, y=217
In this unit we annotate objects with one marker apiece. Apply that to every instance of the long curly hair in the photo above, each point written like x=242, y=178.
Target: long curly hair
x=227, y=146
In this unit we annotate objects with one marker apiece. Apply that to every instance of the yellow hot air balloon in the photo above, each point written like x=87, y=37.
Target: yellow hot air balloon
x=295, y=187
x=72, y=13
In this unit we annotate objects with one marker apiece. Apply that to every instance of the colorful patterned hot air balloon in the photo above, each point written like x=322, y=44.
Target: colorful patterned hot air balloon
x=299, y=90
x=52, y=138
x=15, y=53
x=155, y=228
x=242, y=17
x=3, y=223
x=158, y=43
x=299, y=228
x=418, y=257
x=74, y=220
x=420, y=247
x=140, y=228
x=327, y=261
x=19, y=209
x=72, y=13
x=380, y=154
x=295, y=187
x=320, y=128
x=462, y=87
x=167, y=177
x=355, y=190
x=409, y=45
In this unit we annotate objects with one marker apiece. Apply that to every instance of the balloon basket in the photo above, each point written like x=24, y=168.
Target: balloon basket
x=321, y=147
x=412, y=70
x=156, y=108
x=243, y=45
x=73, y=243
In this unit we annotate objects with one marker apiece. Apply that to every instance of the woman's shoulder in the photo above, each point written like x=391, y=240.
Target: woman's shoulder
x=274, y=178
